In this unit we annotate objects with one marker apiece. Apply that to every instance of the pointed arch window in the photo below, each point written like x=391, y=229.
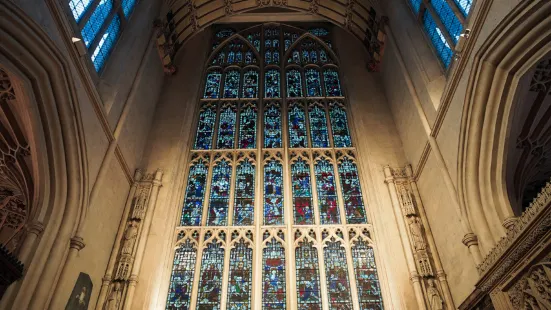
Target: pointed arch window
x=219, y=194
x=272, y=85
x=195, y=193
x=240, y=275
x=307, y=270
x=336, y=270
x=273, y=276
x=181, y=280
x=244, y=194
x=369, y=291
x=231, y=83
x=302, y=193
x=313, y=82
x=210, y=283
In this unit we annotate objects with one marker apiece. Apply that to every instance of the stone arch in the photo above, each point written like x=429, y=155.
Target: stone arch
x=515, y=46
x=52, y=122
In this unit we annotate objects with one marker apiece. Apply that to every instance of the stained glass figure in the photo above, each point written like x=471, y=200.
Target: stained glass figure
x=212, y=85
x=302, y=193
x=221, y=58
x=268, y=43
x=240, y=277
x=318, y=127
x=294, y=84
x=323, y=56
x=268, y=57
x=210, y=280
x=231, y=85
x=287, y=44
x=275, y=43
x=273, y=276
x=181, y=281
x=219, y=194
x=352, y=192
x=308, y=283
x=238, y=57
x=276, y=57
x=257, y=44
x=367, y=281
x=106, y=43
x=272, y=127
x=313, y=83
x=248, y=57
x=332, y=84
x=327, y=193
x=205, y=129
x=250, y=84
x=226, y=128
x=96, y=20
x=314, y=56
x=243, y=209
x=339, y=126
x=195, y=193
x=273, y=193
x=305, y=57
x=336, y=272
x=272, y=84
x=296, y=57
x=247, y=128
x=297, y=127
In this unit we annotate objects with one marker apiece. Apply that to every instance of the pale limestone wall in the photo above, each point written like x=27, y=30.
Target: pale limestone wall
x=104, y=214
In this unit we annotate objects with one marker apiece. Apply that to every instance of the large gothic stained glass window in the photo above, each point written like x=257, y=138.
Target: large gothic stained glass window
x=273, y=182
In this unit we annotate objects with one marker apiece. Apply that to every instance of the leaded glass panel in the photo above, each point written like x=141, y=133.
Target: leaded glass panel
x=273, y=276
x=307, y=271
x=273, y=193
x=302, y=193
x=127, y=7
x=313, y=82
x=219, y=194
x=294, y=83
x=240, y=278
x=297, y=127
x=231, y=83
x=332, y=84
x=250, y=84
x=96, y=20
x=195, y=193
x=272, y=84
x=367, y=280
x=438, y=39
x=181, y=281
x=352, y=192
x=336, y=272
x=243, y=210
x=327, y=193
x=247, y=128
x=212, y=85
x=272, y=127
x=205, y=129
x=226, y=128
x=106, y=43
x=339, y=126
x=210, y=281
x=319, y=133
x=79, y=7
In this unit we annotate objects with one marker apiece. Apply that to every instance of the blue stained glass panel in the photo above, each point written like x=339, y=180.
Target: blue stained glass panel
x=195, y=193
x=231, y=83
x=205, y=129
x=318, y=127
x=464, y=6
x=240, y=279
x=238, y=57
x=352, y=192
x=438, y=40
x=314, y=56
x=313, y=83
x=272, y=84
x=93, y=25
x=339, y=126
x=297, y=127
x=308, y=283
x=327, y=193
x=336, y=270
x=305, y=57
x=225, y=33
x=276, y=57
x=79, y=7
x=367, y=280
x=250, y=84
x=295, y=57
x=272, y=127
x=302, y=193
x=249, y=57
x=226, y=128
x=319, y=32
x=416, y=5
x=219, y=194
x=273, y=276
x=275, y=43
x=323, y=56
x=106, y=43
x=268, y=43
x=294, y=84
x=210, y=280
x=231, y=57
x=247, y=128
x=287, y=44
x=243, y=211
x=127, y=7
x=256, y=44
x=273, y=193
x=212, y=85
x=268, y=57
x=448, y=18
x=181, y=281
x=332, y=83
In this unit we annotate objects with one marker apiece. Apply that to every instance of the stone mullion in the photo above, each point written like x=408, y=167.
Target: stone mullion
x=218, y=105
x=226, y=274
x=314, y=189
x=321, y=268
x=328, y=122
x=206, y=201
x=338, y=189
x=351, y=273
x=197, y=269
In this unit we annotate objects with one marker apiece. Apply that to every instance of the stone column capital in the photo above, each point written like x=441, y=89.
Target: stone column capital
x=77, y=243
x=470, y=239
x=36, y=228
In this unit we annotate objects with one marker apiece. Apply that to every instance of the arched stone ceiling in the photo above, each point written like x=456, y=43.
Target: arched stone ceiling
x=187, y=17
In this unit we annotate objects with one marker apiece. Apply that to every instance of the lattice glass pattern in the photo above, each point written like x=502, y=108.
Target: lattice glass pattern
x=327, y=193
x=302, y=193
x=181, y=281
x=219, y=194
x=415, y=5
x=367, y=280
x=448, y=18
x=464, y=6
x=79, y=7
x=273, y=276
x=352, y=192
x=244, y=194
x=308, y=282
x=128, y=7
x=106, y=44
x=338, y=286
x=210, y=281
x=195, y=193
x=98, y=17
x=438, y=40
x=240, y=278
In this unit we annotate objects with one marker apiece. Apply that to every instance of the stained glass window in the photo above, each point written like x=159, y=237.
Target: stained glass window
x=416, y=5
x=272, y=127
x=332, y=84
x=323, y=56
x=369, y=291
x=106, y=44
x=319, y=32
x=336, y=273
x=339, y=126
x=268, y=57
x=212, y=85
x=273, y=276
x=272, y=85
x=294, y=84
x=226, y=128
x=302, y=193
x=297, y=127
x=128, y=6
x=243, y=210
x=219, y=194
x=249, y=57
x=438, y=40
x=273, y=193
x=240, y=279
x=93, y=25
x=327, y=193
x=318, y=127
x=464, y=6
x=195, y=193
x=448, y=18
x=250, y=84
x=79, y=7
x=210, y=281
x=308, y=283
x=351, y=192
x=225, y=33
x=313, y=84
x=231, y=84
x=247, y=128
x=231, y=59
x=181, y=281
x=205, y=129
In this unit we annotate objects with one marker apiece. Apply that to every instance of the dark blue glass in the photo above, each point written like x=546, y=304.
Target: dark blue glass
x=339, y=126
x=273, y=193
x=226, y=128
x=313, y=83
x=250, y=84
x=219, y=194
x=181, y=281
x=273, y=276
x=205, y=129
x=302, y=193
x=268, y=57
x=93, y=25
x=327, y=193
x=297, y=127
x=243, y=210
x=352, y=192
x=231, y=84
x=319, y=133
x=247, y=128
x=294, y=84
x=272, y=127
x=195, y=193
x=212, y=85
x=336, y=272
x=210, y=281
x=272, y=84
x=308, y=282
x=106, y=43
x=319, y=32
x=323, y=57
x=240, y=277
x=332, y=83
x=367, y=280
